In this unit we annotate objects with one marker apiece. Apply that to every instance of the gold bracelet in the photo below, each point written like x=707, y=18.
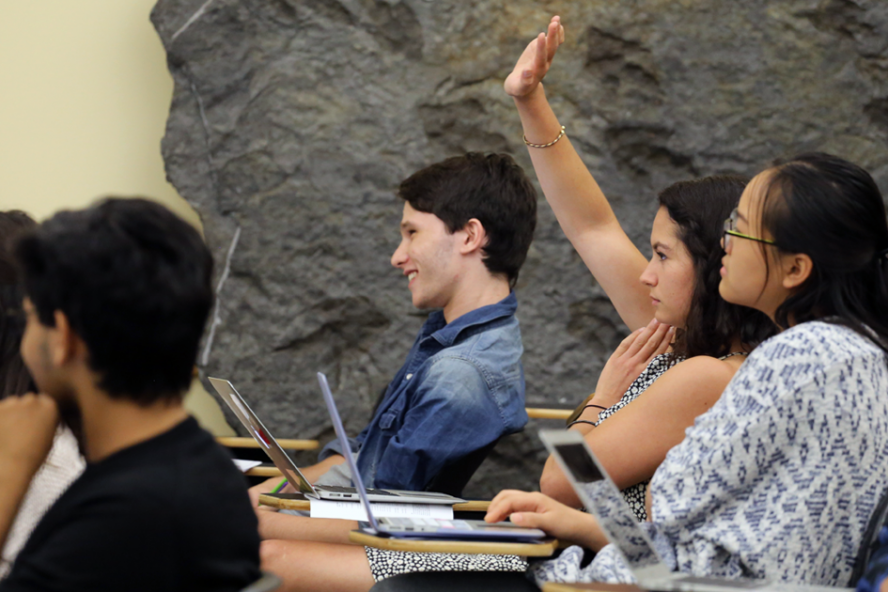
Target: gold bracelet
x=552, y=143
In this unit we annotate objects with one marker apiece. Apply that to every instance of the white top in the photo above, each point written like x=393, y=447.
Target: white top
x=62, y=466
x=779, y=478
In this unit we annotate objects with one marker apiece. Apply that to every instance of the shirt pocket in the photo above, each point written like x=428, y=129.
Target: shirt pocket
x=389, y=421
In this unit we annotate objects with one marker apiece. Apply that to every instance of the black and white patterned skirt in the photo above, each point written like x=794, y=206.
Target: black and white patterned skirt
x=385, y=564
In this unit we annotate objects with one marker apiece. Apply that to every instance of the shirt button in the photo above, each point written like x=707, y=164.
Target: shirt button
x=408, y=377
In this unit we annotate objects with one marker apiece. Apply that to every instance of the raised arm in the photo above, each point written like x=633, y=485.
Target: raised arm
x=578, y=202
x=633, y=442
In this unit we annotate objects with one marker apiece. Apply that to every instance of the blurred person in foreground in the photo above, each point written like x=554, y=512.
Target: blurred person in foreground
x=116, y=298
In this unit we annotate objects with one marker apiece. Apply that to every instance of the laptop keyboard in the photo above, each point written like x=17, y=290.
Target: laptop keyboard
x=433, y=522
x=338, y=489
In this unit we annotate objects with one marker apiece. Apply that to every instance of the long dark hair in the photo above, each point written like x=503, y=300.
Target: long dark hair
x=14, y=377
x=699, y=208
x=832, y=210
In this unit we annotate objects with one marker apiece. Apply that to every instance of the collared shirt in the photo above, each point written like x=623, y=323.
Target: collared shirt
x=460, y=389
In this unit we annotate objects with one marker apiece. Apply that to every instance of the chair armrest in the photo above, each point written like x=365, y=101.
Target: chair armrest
x=539, y=413
x=264, y=472
x=286, y=444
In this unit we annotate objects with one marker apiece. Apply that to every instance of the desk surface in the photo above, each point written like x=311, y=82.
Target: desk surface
x=592, y=587
x=297, y=501
x=545, y=548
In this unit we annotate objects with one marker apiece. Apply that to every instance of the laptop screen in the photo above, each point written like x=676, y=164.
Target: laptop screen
x=346, y=448
x=603, y=499
x=261, y=434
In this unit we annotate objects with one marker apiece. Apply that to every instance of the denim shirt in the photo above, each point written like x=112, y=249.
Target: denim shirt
x=460, y=389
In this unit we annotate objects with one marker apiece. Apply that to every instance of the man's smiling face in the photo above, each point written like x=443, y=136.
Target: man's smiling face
x=429, y=256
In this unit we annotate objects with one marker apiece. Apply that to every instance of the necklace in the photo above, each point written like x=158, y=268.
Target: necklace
x=725, y=357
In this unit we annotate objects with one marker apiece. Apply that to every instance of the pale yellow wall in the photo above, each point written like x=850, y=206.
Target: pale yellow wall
x=84, y=95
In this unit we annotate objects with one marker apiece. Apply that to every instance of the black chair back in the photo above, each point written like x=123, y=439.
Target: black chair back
x=870, y=540
x=453, y=478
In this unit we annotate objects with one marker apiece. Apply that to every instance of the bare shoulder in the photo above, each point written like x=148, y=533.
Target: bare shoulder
x=700, y=375
x=704, y=369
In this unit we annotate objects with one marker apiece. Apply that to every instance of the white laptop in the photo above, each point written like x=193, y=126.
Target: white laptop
x=602, y=497
x=292, y=473
x=426, y=528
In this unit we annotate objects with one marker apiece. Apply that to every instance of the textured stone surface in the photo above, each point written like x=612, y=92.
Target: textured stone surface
x=293, y=121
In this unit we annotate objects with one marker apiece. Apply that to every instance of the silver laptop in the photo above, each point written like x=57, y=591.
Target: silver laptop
x=426, y=528
x=295, y=477
x=602, y=497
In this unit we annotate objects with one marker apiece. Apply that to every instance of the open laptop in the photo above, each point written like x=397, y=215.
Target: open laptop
x=602, y=497
x=295, y=477
x=426, y=528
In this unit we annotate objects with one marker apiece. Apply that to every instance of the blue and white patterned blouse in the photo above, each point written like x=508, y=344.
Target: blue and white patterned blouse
x=779, y=478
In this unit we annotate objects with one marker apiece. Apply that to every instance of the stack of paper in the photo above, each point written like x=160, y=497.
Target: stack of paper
x=355, y=510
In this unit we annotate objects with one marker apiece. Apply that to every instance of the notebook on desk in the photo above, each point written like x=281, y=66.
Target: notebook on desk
x=425, y=528
x=601, y=496
x=292, y=473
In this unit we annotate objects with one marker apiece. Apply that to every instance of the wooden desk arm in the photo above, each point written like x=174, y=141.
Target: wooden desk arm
x=544, y=548
x=539, y=413
x=285, y=443
x=264, y=472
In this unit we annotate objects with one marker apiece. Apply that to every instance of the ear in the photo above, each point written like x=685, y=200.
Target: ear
x=475, y=237
x=65, y=345
x=797, y=268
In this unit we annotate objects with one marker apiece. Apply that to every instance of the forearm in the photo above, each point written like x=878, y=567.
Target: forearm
x=13, y=487
x=587, y=533
x=584, y=213
x=275, y=525
x=554, y=484
x=570, y=189
x=316, y=470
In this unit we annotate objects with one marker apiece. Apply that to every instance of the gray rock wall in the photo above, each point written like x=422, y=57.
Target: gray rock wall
x=293, y=121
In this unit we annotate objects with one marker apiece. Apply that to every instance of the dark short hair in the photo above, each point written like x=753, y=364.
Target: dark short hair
x=14, y=376
x=491, y=188
x=699, y=208
x=831, y=210
x=134, y=281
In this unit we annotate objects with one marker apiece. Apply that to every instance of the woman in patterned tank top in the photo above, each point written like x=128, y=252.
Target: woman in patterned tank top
x=678, y=286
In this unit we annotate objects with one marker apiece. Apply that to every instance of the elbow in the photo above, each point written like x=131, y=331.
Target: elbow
x=554, y=484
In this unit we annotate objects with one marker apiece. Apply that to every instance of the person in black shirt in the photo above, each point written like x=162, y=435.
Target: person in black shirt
x=117, y=298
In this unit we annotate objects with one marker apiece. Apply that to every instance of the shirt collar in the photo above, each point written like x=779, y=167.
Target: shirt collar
x=446, y=333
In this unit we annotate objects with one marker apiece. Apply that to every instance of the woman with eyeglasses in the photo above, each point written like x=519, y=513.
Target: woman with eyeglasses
x=780, y=477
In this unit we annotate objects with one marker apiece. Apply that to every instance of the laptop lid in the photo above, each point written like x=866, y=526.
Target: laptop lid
x=601, y=496
x=260, y=433
x=346, y=449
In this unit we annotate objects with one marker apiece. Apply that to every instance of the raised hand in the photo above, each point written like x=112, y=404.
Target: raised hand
x=629, y=360
x=535, y=61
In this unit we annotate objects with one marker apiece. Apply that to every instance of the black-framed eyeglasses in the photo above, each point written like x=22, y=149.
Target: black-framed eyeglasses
x=731, y=224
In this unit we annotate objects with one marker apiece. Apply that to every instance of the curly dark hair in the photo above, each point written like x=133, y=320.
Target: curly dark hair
x=700, y=207
x=14, y=377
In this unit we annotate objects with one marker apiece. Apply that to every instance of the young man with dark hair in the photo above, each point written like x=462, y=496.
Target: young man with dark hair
x=466, y=228
x=116, y=300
